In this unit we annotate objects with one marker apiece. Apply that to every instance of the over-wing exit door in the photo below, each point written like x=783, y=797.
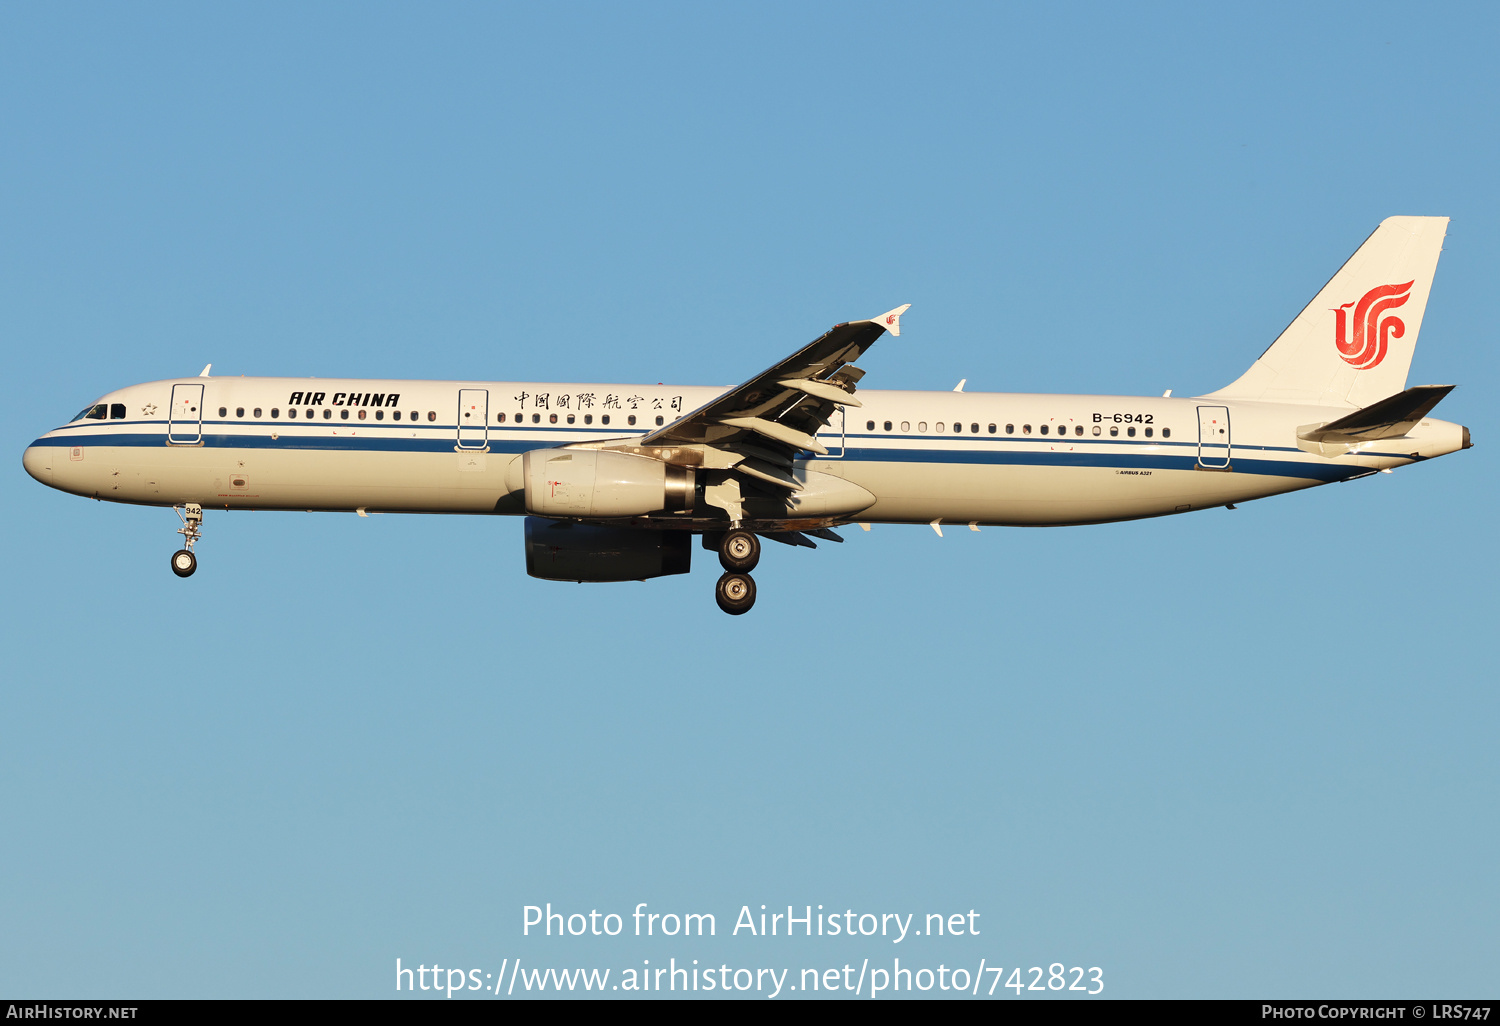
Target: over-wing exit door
x=473, y=418
x=832, y=436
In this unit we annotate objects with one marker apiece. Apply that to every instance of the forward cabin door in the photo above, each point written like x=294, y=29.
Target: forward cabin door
x=1213, y=437
x=473, y=418
x=185, y=421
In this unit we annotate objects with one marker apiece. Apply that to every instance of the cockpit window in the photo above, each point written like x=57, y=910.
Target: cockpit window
x=98, y=411
x=116, y=411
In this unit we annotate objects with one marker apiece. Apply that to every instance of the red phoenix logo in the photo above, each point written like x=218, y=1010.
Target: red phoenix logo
x=1374, y=325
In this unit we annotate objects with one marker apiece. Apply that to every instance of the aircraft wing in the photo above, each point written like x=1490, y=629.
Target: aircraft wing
x=777, y=413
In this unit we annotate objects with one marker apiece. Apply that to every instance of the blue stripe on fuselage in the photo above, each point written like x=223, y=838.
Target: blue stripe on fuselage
x=1121, y=458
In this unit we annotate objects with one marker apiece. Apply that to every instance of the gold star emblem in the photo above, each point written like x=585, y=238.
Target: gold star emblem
x=148, y=410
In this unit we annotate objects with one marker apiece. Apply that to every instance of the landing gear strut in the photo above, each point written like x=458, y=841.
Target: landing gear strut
x=183, y=560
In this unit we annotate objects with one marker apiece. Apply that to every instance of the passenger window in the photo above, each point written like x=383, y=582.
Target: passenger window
x=1130, y=431
x=380, y=415
x=570, y=418
x=658, y=422
x=395, y=414
x=1166, y=432
x=940, y=427
x=1096, y=430
x=1010, y=429
x=275, y=413
x=223, y=412
x=239, y=411
x=327, y=414
x=291, y=414
x=499, y=418
x=630, y=420
x=958, y=428
x=1114, y=432
x=1043, y=429
x=309, y=414
x=922, y=426
x=343, y=415
x=604, y=419
x=431, y=416
x=1078, y=430
x=887, y=425
x=992, y=429
x=412, y=416
x=869, y=425
x=588, y=418
x=1025, y=429
x=1148, y=432
x=906, y=425
x=551, y=418
x=257, y=411
x=362, y=414
x=974, y=429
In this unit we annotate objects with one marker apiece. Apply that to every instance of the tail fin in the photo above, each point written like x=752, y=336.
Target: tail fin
x=1353, y=343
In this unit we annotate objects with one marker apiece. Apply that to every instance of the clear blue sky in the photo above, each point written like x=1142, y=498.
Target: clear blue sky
x=1228, y=754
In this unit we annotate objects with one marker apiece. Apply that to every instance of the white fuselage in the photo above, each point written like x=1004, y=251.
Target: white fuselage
x=445, y=447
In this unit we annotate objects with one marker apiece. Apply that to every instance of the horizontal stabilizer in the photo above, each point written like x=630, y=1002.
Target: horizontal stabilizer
x=1391, y=417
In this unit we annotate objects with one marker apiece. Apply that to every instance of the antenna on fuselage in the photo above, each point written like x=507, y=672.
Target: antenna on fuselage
x=206, y=368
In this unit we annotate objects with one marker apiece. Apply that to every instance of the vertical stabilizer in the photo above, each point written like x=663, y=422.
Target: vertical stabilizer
x=1353, y=343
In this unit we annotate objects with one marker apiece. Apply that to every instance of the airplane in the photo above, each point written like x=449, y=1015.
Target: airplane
x=614, y=480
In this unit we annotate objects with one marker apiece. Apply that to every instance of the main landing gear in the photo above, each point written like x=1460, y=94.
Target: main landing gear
x=183, y=560
x=739, y=552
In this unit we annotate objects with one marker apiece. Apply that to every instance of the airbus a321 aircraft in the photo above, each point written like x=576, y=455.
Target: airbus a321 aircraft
x=615, y=480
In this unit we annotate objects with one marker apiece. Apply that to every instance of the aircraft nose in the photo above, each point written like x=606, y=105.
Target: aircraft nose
x=38, y=462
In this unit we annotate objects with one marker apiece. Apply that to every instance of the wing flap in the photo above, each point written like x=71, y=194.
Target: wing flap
x=786, y=405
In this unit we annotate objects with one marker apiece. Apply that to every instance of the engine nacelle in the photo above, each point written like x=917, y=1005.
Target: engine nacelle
x=598, y=483
x=560, y=550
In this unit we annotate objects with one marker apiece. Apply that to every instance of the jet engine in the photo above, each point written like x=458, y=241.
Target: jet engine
x=559, y=550
x=595, y=483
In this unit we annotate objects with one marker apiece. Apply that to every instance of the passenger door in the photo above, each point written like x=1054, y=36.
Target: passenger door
x=473, y=418
x=185, y=420
x=1213, y=437
x=832, y=436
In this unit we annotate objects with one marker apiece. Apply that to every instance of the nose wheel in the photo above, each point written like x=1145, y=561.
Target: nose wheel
x=735, y=593
x=183, y=560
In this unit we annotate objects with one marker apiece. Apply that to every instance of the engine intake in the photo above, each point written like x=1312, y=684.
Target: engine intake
x=560, y=550
x=597, y=483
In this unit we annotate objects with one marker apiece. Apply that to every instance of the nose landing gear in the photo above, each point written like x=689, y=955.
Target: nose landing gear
x=183, y=560
x=739, y=552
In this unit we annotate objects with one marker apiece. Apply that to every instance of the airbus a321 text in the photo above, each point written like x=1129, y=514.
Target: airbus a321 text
x=615, y=480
